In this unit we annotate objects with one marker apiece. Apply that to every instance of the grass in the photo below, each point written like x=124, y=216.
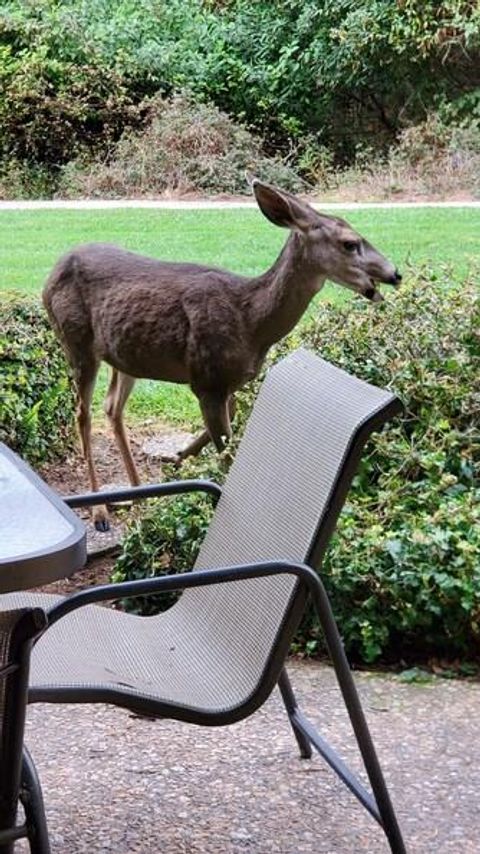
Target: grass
x=240, y=240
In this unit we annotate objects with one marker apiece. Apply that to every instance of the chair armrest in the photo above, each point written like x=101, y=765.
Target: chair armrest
x=135, y=493
x=182, y=581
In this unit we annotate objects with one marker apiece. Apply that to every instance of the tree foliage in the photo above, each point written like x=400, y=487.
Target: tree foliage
x=340, y=72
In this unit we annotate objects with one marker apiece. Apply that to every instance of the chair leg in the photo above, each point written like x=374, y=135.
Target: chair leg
x=291, y=706
x=32, y=802
x=380, y=806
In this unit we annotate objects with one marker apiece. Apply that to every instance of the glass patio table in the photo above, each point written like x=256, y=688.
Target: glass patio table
x=41, y=539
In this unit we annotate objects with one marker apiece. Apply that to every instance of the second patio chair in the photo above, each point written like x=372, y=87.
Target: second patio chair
x=215, y=656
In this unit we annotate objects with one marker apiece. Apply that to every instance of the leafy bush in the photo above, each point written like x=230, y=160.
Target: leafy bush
x=36, y=396
x=20, y=179
x=50, y=112
x=162, y=541
x=59, y=95
x=300, y=67
x=73, y=75
x=184, y=147
x=403, y=569
x=436, y=158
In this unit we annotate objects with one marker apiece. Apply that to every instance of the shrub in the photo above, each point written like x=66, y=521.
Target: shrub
x=20, y=179
x=162, y=541
x=185, y=147
x=73, y=73
x=403, y=569
x=36, y=396
x=433, y=158
x=52, y=110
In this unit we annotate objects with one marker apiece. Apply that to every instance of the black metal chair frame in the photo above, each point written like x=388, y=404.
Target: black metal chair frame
x=377, y=803
x=19, y=779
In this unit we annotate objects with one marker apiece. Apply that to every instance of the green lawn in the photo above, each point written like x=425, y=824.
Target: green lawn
x=240, y=240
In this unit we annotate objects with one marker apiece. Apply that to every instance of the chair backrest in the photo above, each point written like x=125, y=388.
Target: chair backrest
x=281, y=499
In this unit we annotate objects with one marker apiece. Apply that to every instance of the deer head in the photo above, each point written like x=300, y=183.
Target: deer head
x=330, y=247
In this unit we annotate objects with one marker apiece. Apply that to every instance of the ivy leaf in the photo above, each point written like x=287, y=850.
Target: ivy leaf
x=394, y=548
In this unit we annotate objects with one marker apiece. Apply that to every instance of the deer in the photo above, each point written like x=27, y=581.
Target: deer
x=199, y=325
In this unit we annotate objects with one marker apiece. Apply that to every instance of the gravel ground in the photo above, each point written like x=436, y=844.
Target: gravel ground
x=118, y=783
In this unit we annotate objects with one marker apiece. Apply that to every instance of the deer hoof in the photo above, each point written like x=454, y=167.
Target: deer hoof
x=175, y=460
x=101, y=520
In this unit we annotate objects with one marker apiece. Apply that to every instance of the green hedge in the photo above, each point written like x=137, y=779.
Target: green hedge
x=163, y=540
x=36, y=394
x=403, y=569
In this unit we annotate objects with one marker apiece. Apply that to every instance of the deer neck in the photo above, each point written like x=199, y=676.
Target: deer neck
x=279, y=297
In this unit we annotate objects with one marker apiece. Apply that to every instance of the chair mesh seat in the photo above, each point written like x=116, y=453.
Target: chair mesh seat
x=161, y=658
x=210, y=649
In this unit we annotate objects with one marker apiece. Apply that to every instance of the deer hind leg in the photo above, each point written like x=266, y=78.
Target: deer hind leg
x=117, y=396
x=85, y=376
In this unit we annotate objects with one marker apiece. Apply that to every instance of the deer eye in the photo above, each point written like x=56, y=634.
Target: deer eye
x=351, y=245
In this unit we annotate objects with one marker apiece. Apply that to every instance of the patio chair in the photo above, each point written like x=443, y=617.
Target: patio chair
x=216, y=655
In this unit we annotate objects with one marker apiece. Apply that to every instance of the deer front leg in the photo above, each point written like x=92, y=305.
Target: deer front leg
x=197, y=444
x=216, y=414
x=194, y=447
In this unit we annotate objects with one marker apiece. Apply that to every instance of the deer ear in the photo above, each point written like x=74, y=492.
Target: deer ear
x=279, y=208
